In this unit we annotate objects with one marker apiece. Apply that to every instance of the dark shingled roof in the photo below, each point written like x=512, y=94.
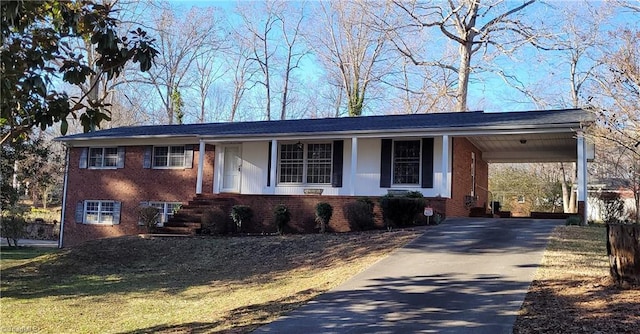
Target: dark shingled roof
x=436, y=121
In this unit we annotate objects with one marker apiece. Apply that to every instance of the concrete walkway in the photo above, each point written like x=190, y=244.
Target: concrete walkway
x=32, y=243
x=464, y=276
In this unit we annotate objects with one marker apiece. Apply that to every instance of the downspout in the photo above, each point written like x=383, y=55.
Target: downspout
x=64, y=196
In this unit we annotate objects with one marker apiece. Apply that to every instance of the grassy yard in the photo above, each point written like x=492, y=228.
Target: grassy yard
x=572, y=291
x=179, y=285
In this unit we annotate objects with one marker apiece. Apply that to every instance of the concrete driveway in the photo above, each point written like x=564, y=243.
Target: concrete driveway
x=464, y=276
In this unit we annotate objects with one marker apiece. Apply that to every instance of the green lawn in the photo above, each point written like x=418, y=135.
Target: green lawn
x=135, y=285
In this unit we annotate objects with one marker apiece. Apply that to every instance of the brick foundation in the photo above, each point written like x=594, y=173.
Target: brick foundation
x=302, y=208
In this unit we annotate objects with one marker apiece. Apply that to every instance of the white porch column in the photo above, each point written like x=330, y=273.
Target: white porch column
x=200, y=167
x=444, y=186
x=582, y=175
x=274, y=166
x=354, y=166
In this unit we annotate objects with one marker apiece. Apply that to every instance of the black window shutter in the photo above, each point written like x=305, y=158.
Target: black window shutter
x=146, y=161
x=188, y=156
x=385, y=163
x=120, y=157
x=269, y=165
x=80, y=212
x=84, y=156
x=338, y=148
x=427, y=162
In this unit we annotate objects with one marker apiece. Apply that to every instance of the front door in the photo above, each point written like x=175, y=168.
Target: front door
x=232, y=169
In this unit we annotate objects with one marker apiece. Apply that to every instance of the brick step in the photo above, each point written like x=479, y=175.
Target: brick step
x=210, y=202
x=176, y=230
x=188, y=224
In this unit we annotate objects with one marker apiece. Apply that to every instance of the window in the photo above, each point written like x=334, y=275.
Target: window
x=169, y=156
x=306, y=163
x=406, y=162
x=319, y=163
x=99, y=212
x=103, y=157
x=166, y=209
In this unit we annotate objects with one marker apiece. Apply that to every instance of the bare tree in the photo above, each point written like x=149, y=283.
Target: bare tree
x=260, y=24
x=181, y=42
x=472, y=25
x=239, y=59
x=291, y=23
x=352, y=48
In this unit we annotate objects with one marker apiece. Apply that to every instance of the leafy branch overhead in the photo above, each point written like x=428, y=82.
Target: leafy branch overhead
x=37, y=53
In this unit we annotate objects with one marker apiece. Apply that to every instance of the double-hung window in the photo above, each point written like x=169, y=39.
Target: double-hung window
x=165, y=209
x=305, y=163
x=100, y=212
x=169, y=156
x=406, y=162
x=102, y=157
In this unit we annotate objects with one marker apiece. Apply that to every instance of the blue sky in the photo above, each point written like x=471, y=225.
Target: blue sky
x=489, y=92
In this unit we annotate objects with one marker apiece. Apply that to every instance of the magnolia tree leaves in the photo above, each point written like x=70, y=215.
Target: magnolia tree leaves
x=37, y=54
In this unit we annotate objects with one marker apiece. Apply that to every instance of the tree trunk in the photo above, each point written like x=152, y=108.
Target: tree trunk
x=463, y=76
x=623, y=248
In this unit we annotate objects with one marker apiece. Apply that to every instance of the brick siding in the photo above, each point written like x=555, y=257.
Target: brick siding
x=130, y=185
x=461, y=178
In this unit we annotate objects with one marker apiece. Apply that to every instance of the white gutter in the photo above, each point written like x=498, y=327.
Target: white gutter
x=64, y=196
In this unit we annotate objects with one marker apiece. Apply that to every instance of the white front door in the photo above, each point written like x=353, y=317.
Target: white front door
x=232, y=169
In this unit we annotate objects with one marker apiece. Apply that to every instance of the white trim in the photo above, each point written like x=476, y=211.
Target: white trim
x=99, y=212
x=64, y=196
x=582, y=173
x=238, y=186
x=354, y=166
x=199, y=176
x=273, y=178
x=103, y=157
x=444, y=181
x=305, y=164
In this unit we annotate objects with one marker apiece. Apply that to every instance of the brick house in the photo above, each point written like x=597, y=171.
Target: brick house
x=299, y=163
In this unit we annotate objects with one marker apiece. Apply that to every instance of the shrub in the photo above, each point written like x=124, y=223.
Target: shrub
x=281, y=216
x=414, y=194
x=360, y=215
x=573, y=220
x=324, y=211
x=612, y=206
x=13, y=228
x=400, y=210
x=241, y=214
x=148, y=216
x=214, y=221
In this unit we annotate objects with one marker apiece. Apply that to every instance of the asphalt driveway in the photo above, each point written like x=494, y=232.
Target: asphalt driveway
x=464, y=276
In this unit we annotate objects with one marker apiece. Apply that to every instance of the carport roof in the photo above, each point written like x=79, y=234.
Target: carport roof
x=457, y=123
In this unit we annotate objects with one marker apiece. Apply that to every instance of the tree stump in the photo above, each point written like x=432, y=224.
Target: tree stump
x=623, y=248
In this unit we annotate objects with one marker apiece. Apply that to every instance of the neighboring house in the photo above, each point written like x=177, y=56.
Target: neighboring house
x=625, y=190
x=444, y=156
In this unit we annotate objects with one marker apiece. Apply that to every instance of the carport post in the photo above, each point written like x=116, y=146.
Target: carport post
x=582, y=177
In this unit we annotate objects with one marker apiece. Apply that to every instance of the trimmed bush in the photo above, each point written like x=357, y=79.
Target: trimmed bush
x=13, y=228
x=360, y=214
x=400, y=210
x=324, y=211
x=612, y=206
x=214, y=221
x=148, y=217
x=573, y=220
x=240, y=214
x=282, y=217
